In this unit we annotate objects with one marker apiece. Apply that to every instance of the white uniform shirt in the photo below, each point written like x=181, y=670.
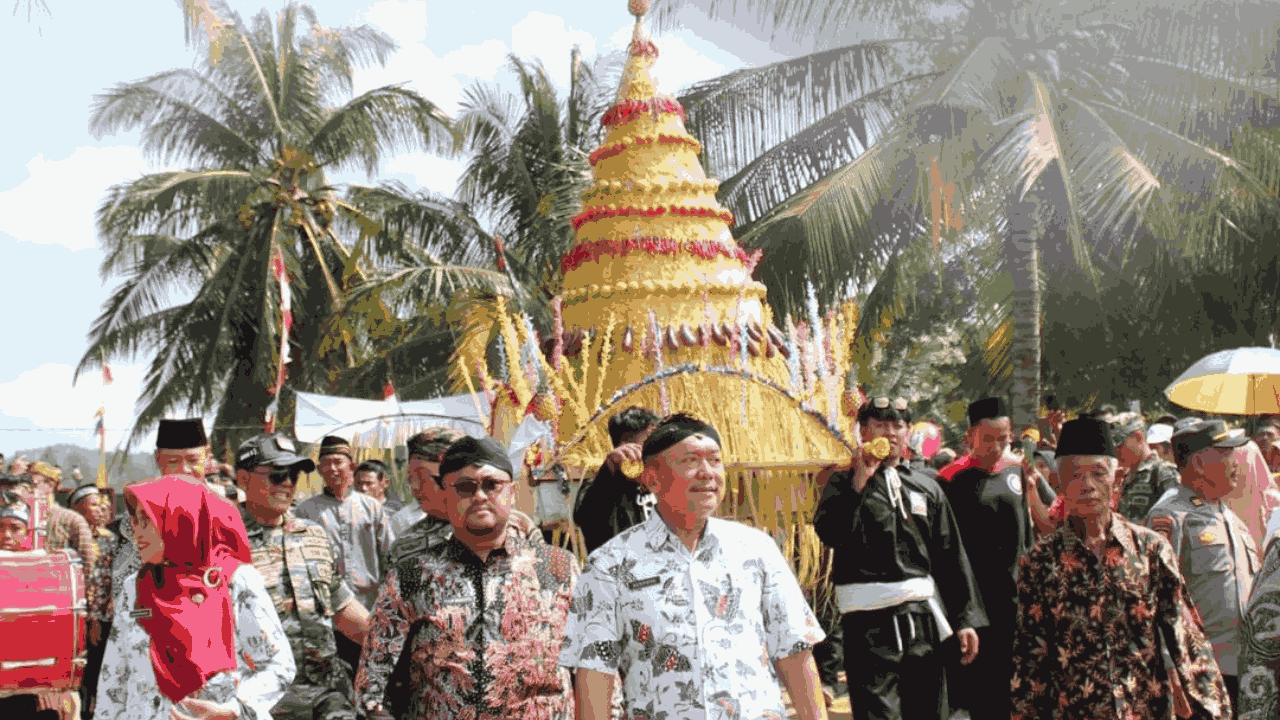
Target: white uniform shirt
x=693, y=635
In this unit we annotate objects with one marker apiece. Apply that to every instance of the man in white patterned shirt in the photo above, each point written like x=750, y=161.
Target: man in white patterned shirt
x=700, y=617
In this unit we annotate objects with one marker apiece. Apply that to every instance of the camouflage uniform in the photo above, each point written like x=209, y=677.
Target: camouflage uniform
x=1144, y=486
x=303, y=576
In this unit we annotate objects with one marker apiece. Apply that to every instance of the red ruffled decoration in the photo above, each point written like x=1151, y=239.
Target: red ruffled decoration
x=626, y=111
x=608, y=151
x=593, y=251
x=599, y=213
x=644, y=48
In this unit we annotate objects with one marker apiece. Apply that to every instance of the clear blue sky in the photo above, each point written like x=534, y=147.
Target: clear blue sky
x=53, y=173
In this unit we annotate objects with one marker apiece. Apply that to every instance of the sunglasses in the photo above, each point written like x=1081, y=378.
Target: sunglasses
x=491, y=487
x=279, y=477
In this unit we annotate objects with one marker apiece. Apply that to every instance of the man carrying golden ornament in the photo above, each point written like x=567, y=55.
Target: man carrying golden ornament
x=902, y=578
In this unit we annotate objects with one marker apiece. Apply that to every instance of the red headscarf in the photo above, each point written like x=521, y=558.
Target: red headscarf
x=191, y=628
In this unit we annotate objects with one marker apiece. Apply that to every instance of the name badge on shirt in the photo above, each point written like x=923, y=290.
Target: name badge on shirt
x=919, y=505
x=642, y=584
x=140, y=614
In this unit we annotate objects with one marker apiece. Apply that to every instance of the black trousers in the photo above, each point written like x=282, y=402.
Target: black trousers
x=894, y=666
x=348, y=650
x=92, y=668
x=983, y=686
x=1233, y=691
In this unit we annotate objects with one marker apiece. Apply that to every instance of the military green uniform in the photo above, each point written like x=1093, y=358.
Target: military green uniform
x=303, y=574
x=1144, y=486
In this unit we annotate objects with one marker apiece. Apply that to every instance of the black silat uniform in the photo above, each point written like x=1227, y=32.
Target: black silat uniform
x=997, y=527
x=894, y=656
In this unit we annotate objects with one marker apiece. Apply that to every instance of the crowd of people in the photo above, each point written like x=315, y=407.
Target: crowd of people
x=1099, y=567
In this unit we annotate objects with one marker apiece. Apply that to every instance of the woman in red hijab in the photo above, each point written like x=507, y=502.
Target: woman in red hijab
x=197, y=636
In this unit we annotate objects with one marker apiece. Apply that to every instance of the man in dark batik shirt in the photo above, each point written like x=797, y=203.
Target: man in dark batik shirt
x=1259, y=639
x=484, y=617
x=1105, y=630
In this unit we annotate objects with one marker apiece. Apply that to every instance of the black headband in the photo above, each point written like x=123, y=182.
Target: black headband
x=673, y=430
x=476, y=451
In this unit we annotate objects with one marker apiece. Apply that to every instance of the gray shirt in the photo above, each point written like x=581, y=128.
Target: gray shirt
x=361, y=530
x=1218, y=558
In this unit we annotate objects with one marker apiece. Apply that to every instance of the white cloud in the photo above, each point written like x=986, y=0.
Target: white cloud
x=46, y=398
x=544, y=36
x=404, y=20
x=439, y=79
x=55, y=205
x=679, y=65
x=436, y=174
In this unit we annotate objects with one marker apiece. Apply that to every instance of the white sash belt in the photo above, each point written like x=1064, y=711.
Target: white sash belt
x=853, y=597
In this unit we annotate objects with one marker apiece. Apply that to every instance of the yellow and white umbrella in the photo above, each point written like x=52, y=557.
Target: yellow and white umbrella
x=1242, y=381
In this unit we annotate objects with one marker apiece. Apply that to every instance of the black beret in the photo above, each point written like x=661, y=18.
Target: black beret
x=476, y=451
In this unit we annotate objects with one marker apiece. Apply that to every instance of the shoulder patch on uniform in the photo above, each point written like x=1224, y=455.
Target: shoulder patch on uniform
x=1014, y=480
x=1162, y=524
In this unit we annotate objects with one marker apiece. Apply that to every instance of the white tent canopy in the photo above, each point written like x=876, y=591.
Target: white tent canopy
x=385, y=423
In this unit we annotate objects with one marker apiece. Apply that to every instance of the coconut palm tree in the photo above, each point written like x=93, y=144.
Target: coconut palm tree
x=1080, y=125
x=251, y=238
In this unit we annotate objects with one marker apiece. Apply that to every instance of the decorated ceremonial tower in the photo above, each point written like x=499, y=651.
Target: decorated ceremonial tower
x=659, y=309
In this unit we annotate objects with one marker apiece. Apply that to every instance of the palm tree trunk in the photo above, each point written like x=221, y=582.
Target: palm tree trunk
x=1022, y=257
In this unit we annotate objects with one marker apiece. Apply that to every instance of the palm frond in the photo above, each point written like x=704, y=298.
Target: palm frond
x=816, y=151
x=742, y=113
x=361, y=133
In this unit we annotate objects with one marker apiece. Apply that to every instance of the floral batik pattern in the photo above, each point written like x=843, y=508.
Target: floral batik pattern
x=127, y=686
x=483, y=635
x=692, y=634
x=103, y=607
x=1260, y=639
x=1098, y=636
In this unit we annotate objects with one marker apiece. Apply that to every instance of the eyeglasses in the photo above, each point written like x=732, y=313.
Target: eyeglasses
x=491, y=487
x=279, y=477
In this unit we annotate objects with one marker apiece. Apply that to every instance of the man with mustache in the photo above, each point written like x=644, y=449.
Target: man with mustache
x=1214, y=548
x=303, y=575
x=482, y=616
x=898, y=563
x=701, y=617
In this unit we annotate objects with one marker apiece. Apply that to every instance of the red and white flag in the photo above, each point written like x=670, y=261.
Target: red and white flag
x=106, y=374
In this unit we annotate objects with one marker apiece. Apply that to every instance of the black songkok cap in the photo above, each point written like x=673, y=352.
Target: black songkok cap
x=81, y=493
x=1191, y=439
x=476, y=451
x=334, y=445
x=675, y=429
x=431, y=443
x=1086, y=436
x=987, y=409
x=181, y=434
